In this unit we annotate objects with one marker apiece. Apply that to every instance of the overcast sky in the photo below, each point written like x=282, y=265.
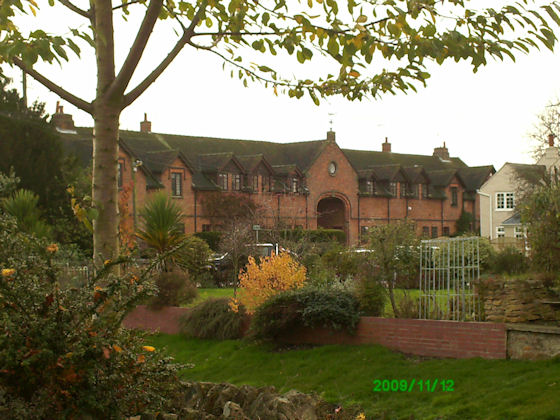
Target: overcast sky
x=483, y=118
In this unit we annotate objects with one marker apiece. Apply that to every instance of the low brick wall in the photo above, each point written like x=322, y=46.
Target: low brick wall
x=165, y=320
x=413, y=336
x=417, y=336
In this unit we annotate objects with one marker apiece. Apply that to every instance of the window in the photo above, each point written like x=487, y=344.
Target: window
x=424, y=190
x=404, y=189
x=265, y=183
x=454, y=196
x=255, y=183
x=518, y=232
x=414, y=190
x=393, y=188
x=176, y=184
x=500, y=232
x=370, y=187
x=120, y=175
x=446, y=231
x=206, y=228
x=236, y=182
x=434, y=232
x=505, y=201
x=223, y=181
x=426, y=231
x=295, y=185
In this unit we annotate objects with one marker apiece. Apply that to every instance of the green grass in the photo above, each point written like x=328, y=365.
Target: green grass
x=483, y=389
x=206, y=293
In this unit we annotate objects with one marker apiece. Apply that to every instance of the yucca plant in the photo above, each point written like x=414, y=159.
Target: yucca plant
x=162, y=227
x=22, y=205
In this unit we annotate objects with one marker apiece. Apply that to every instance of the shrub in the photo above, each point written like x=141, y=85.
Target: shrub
x=371, y=295
x=509, y=261
x=211, y=238
x=174, y=289
x=307, y=307
x=272, y=275
x=193, y=257
x=214, y=318
x=63, y=352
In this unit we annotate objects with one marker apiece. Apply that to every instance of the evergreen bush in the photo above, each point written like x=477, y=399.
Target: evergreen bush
x=309, y=307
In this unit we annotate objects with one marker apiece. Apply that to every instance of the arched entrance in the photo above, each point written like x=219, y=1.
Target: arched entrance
x=331, y=214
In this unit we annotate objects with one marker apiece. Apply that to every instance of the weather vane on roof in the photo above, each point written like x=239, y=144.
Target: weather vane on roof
x=331, y=115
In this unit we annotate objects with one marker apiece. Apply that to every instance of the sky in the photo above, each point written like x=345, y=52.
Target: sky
x=483, y=118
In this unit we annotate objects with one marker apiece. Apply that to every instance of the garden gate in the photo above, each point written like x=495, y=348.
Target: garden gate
x=449, y=269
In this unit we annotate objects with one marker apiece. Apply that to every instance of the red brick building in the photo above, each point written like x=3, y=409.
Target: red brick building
x=305, y=185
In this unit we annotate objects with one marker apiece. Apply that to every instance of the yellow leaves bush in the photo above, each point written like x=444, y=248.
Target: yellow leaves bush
x=272, y=275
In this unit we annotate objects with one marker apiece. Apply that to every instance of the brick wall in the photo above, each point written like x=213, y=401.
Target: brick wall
x=412, y=336
x=417, y=336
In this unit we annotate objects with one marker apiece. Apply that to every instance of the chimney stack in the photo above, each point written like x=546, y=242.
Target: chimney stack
x=331, y=136
x=386, y=147
x=441, y=152
x=146, y=126
x=551, y=140
x=62, y=121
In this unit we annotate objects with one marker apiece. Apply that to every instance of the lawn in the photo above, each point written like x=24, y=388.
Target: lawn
x=482, y=389
x=205, y=293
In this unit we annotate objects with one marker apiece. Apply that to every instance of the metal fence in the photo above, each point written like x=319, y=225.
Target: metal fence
x=74, y=276
x=449, y=269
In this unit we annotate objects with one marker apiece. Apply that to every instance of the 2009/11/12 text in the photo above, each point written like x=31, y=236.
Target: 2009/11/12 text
x=406, y=385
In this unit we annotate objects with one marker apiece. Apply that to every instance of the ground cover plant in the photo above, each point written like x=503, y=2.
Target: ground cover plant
x=482, y=389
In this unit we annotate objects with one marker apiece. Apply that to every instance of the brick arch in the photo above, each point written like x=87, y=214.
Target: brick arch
x=338, y=205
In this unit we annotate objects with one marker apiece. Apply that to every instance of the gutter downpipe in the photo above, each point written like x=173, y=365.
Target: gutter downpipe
x=489, y=209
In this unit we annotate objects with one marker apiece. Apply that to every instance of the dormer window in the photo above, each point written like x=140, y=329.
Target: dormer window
x=236, y=182
x=370, y=187
x=120, y=174
x=393, y=188
x=255, y=183
x=295, y=185
x=176, y=184
x=265, y=183
x=404, y=189
x=424, y=190
x=223, y=181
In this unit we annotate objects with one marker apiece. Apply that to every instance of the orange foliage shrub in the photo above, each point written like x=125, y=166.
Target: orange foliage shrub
x=272, y=275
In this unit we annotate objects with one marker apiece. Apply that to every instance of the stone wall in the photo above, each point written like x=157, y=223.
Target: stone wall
x=532, y=342
x=518, y=301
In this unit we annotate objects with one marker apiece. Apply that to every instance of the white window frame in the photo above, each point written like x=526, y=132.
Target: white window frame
x=505, y=196
x=500, y=232
x=176, y=184
x=519, y=232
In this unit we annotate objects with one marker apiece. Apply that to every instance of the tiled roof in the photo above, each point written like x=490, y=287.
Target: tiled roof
x=208, y=154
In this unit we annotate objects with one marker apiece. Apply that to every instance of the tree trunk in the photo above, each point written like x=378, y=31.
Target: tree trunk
x=105, y=190
x=106, y=115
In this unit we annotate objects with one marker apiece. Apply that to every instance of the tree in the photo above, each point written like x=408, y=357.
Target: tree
x=376, y=48
x=548, y=123
x=395, y=253
x=22, y=205
x=162, y=226
x=539, y=213
x=31, y=148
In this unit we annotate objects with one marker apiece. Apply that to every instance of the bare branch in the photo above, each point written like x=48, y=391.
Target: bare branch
x=76, y=9
x=120, y=6
x=151, y=78
x=64, y=94
x=123, y=78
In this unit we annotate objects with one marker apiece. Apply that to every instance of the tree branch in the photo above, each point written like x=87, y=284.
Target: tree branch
x=127, y=4
x=64, y=94
x=125, y=74
x=76, y=9
x=151, y=78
